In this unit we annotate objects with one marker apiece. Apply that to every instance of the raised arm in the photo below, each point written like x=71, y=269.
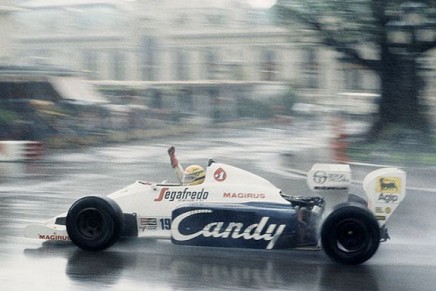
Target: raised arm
x=175, y=163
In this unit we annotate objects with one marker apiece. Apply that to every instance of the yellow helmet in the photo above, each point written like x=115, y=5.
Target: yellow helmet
x=193, y=175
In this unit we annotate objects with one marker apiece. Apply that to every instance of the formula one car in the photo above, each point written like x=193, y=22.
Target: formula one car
x=235, y=208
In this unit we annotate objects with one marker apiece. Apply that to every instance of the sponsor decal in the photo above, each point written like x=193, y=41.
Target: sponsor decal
x=388, y=198
x=184, y=195
x=244, y=195
x=383, y=210
x=321, y=177
x=390, y=185
x=263, y=230
x=148, y=223
x=53, y=237
x=338, y=178
x=154, y=223
x=389, y=189
x=220, y=175
x=329, y=188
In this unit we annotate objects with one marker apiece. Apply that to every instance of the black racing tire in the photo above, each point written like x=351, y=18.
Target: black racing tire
x=94, y=223
x=350, y=234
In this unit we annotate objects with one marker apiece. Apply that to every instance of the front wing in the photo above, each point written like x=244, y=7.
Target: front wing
x=47, y=231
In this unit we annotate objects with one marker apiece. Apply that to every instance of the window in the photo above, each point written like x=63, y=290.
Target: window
x=149, y=57
x=269, y=66
x=352, y=77
x=181, y=20
x=211, y=64
x=185, y=100
x=90, y=61
x=118, y=66
x=258, y=17
x=310, y=69
x=182, y=68
x=216, y=18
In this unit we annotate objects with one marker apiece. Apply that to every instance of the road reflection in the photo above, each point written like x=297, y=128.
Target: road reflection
x=150, y=263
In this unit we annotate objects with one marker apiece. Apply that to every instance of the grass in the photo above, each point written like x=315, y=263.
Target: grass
x=399, y=145
x=386, y=153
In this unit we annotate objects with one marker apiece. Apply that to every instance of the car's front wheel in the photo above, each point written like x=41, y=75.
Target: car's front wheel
x=350, y=234
x=94, y=223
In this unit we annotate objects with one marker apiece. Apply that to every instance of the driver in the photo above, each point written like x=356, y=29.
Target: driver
x=192, y=175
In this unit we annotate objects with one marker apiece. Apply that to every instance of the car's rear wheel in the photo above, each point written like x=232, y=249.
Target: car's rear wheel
x=354, y=198
x=350, y=234
x=94, y=223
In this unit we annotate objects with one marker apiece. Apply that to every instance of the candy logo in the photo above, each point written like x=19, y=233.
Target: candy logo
x=220, y=175
x=262, y=230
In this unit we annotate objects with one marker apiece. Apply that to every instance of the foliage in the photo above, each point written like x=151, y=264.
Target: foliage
x=402, y=146
x=267, y=108
x=10, y=124
x=254, y=108
x=361, y=32
x=287, y=101
x=7, y=117
x=349, y=26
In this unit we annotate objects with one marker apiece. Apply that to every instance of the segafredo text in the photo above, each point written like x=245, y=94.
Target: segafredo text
x=233, y=230
x=184, y=195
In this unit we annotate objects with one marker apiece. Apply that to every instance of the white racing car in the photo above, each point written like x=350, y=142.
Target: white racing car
x=236, y=208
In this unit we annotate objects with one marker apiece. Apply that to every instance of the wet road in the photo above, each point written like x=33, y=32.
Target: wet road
x=36, y=191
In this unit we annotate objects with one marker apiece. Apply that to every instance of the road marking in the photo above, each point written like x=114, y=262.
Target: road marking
x=421, y=189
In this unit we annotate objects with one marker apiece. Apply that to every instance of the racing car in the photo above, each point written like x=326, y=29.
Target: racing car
x=238, y=209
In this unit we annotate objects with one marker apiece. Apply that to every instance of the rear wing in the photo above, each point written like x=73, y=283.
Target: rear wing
x=385, y=189
x=330, y=181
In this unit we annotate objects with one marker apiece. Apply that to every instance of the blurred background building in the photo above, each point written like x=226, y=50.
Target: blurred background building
x=171, y=40
x=177, y=40
x=7, y=30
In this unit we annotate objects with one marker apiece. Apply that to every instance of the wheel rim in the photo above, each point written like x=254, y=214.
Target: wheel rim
x=351, y=236
x=90, y=223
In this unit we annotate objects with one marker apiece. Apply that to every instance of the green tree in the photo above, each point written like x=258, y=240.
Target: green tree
x=352, y=27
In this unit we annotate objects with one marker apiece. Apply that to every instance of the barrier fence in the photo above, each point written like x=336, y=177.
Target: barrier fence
x=14, y=150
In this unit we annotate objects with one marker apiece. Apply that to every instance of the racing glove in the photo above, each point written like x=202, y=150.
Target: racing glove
x=173, y=159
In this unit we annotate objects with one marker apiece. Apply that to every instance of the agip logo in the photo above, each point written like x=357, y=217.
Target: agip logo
x=389, y=189
x=388, y=185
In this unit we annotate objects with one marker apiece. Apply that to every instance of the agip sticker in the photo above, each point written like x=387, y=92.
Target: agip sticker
x=385, y=188
x=391, y=185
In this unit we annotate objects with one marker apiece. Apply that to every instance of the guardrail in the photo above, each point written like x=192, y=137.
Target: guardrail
x=18, y=150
